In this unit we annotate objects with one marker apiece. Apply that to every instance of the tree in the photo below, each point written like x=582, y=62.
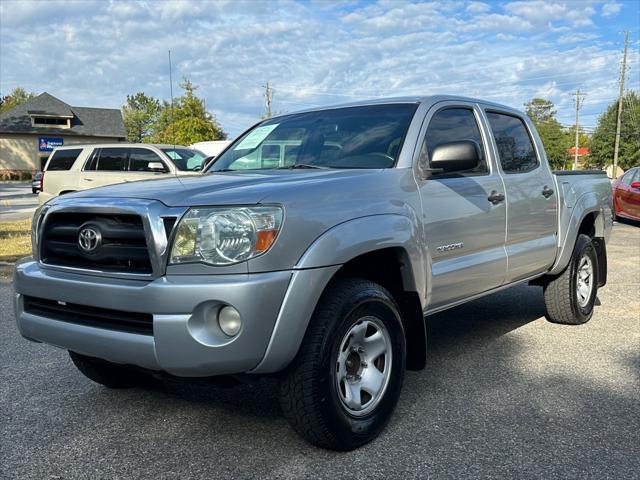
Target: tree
x=556, y=141
x=140, y=115
x=18, y=96
x=604, y=136
x=540, y=110
x=188, y=122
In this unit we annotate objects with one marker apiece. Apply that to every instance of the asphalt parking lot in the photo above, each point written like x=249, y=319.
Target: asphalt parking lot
x=505, y=394
x=17, y=202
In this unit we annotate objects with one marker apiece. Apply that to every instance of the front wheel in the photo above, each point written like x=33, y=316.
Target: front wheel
x=106, y=373
x=342, y=387
x=571, y=296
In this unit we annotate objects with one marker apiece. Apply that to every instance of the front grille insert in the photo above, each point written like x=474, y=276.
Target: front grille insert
x=122, y=245
x=131, y=322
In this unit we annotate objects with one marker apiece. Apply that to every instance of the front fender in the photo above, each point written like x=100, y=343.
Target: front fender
x=350, y=239
x=320, y=262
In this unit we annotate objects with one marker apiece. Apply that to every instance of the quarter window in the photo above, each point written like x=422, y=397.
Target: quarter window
x=63, y=159
x=515, y=147
x=453, y=125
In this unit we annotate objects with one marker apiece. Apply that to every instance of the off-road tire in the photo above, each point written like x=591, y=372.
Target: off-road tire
x=308, y=391
x=560, y=293
x=105, y=373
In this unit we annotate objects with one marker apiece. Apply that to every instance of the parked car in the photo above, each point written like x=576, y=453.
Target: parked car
x=211, y=148
x=80, y=167
x=321, y=270
x=36, y=183
x=626, y=195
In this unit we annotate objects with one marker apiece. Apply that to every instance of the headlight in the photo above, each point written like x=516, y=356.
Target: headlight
x=35, y=227
x=222, y=236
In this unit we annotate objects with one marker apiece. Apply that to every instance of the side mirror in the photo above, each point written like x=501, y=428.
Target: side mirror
x=156, y=167
x=455, y=157
x=635, y=184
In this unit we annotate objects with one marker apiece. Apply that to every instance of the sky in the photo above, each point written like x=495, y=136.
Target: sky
x=94, y=53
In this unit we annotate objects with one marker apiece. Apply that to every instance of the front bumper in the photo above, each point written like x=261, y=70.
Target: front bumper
x=183, y=342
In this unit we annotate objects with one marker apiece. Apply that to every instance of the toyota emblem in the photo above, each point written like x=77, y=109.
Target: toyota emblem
x=89, y=239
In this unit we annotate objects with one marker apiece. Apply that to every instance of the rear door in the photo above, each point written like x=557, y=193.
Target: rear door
x=532, y=208
x=105, y=166
x=464, y=230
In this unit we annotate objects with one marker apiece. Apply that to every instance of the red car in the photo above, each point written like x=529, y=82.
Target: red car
x=626, y=194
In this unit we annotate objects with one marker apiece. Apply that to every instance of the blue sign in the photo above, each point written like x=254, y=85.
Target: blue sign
x=47, y=144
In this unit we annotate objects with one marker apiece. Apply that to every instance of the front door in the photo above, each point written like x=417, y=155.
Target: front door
x=464, y=230
x=532, y=217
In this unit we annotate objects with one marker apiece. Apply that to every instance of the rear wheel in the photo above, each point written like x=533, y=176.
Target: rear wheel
x=570, y=297
x=344, y=384
x=105, y=373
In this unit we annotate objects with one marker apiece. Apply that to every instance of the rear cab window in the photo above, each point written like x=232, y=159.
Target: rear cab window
x=62, y=159
x=515, y=147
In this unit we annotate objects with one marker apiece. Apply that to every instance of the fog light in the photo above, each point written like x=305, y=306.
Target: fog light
x=229, y=320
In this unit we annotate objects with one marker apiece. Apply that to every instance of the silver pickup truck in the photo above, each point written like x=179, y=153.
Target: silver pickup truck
x=313, y=249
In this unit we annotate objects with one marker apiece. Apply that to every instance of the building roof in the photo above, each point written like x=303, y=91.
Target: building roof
x=85, y=121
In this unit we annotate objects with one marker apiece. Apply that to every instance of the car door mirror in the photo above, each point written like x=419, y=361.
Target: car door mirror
x=635, y=184
x=156, y=167
x=455, y=157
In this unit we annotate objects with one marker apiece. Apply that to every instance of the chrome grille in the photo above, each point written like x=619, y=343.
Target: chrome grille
x=121, y=247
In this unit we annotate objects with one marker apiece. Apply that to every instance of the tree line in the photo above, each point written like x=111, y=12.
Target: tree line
x=150, y=120
x=557, y=139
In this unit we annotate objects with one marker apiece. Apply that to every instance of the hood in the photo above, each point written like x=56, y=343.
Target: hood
x=224, y=188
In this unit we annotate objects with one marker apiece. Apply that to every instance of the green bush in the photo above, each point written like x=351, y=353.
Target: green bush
x=8, y=175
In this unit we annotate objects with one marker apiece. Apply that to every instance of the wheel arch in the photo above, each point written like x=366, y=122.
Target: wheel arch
x=380, y=248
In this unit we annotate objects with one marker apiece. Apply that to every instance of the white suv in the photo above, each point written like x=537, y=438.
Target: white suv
x=80, y=167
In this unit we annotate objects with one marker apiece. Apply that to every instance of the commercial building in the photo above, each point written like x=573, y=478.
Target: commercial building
x=29, y=132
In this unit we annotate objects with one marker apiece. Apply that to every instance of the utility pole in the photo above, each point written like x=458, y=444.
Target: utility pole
x=578, y=101
x=268, y=95
x=173, y=130
x=623, y=71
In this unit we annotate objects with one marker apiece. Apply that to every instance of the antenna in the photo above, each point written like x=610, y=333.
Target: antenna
x=173, y=130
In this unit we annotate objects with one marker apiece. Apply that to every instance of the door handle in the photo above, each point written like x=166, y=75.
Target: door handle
x=495, y=197
x=547, y=192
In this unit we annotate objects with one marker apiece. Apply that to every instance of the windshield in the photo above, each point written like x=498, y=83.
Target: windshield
x=186, y=159
x=352, y=137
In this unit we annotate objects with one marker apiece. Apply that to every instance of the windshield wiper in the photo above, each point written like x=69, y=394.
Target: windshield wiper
x=296, y=166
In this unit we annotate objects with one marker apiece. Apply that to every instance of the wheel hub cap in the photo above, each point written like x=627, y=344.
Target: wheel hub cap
x=584, y=281
x=363, y=366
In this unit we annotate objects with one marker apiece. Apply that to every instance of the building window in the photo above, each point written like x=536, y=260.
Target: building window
x=51, y=122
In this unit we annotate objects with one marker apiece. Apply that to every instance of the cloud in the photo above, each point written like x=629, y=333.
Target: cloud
x=478, y=7
x=611, y=9
x=94, y=54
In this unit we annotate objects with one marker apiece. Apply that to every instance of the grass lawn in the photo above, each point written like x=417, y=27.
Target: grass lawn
x=15, y=243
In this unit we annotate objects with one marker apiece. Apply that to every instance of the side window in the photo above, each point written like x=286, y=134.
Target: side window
x=63, y=159
x=112, y=159
x=453, y=125
x=515, y=147
x=628, y=177
x=140, y=158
